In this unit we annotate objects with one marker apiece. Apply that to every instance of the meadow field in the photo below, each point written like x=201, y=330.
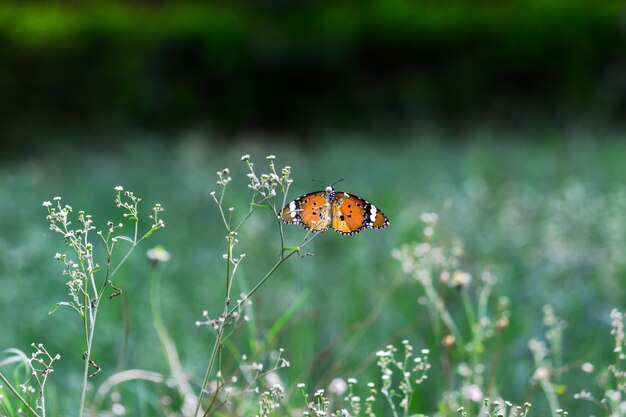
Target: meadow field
x=499, y=272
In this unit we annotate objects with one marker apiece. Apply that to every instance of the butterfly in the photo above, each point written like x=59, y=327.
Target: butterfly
x=347, y=214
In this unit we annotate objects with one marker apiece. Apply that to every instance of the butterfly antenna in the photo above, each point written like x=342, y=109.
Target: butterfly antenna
x=336, y=182
x=321, y=182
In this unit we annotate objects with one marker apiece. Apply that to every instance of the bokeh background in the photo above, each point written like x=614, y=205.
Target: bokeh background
x=504, y=117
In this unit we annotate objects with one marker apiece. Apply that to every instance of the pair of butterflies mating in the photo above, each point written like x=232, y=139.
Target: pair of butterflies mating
x=347, y=214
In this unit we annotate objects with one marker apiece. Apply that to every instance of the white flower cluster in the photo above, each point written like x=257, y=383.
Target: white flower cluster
x=81, y=271
x=617, y=324
x=129, y=202
x=411, y=372
x=266, y=184
x=614, y=397
x=77, y=239
x=223, y=177
x=420, y=259
x=270, y=400
x=41, y=365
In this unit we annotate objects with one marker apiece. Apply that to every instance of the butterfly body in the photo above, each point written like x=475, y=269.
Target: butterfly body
x=347, y=214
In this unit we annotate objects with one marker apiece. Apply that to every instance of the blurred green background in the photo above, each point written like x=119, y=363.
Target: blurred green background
x=298, y=65
x=505, y=117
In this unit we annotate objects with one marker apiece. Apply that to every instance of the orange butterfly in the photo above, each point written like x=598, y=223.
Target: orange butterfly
x=346, y=214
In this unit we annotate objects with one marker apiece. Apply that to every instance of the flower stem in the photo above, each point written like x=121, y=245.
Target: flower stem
x=17, y=394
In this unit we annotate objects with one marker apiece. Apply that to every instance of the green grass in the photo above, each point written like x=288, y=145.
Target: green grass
x=547, y=218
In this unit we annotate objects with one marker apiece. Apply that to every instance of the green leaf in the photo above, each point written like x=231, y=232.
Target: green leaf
x=6, y=404
x=126, y=238
x=59, y=304
x=261, y=205
x=66, y=304
x=294, y=248
x=152, y=230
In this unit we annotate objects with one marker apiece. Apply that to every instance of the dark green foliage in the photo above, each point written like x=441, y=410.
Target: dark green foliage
x=273, y=65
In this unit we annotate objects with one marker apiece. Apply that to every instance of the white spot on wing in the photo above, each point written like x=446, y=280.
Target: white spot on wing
x=373, y=211
x=292, y=209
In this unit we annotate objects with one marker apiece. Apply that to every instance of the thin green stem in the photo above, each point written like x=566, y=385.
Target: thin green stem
x=260, y=283
x=86, y=318
x=130, y=251
x=91, y=325
x=278, y=217
x=252, y=210
x=436, y=301
x=469, y=310
x=548, y=389
x=119, y=265
x=136, y=225
x=219, y=205
x=229, y=279
x=156, y=306
x=229, y=255
x=407, y=381
x=391, y=404
x=207, y=375
x=17, y=394
x=476, y=334
x=483, y=300
x=89, y=270
x=224, y=322
x=88, y=359
x=78, y=241
x=91, y=279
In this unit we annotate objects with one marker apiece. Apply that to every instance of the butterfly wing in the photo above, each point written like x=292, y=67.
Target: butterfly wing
x=311, y=210
x=351, y=214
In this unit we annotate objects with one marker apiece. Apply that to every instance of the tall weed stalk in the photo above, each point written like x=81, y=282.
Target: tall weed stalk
x=269, y=192
x=89, y=282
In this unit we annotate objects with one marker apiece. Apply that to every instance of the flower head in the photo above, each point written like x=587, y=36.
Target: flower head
x=158, y=254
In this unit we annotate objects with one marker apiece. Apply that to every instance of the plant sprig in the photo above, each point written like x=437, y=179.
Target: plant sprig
x=269, y=192
x=85, y=291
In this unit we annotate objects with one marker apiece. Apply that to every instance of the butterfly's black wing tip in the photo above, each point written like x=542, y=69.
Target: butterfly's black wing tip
x=382, y=226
